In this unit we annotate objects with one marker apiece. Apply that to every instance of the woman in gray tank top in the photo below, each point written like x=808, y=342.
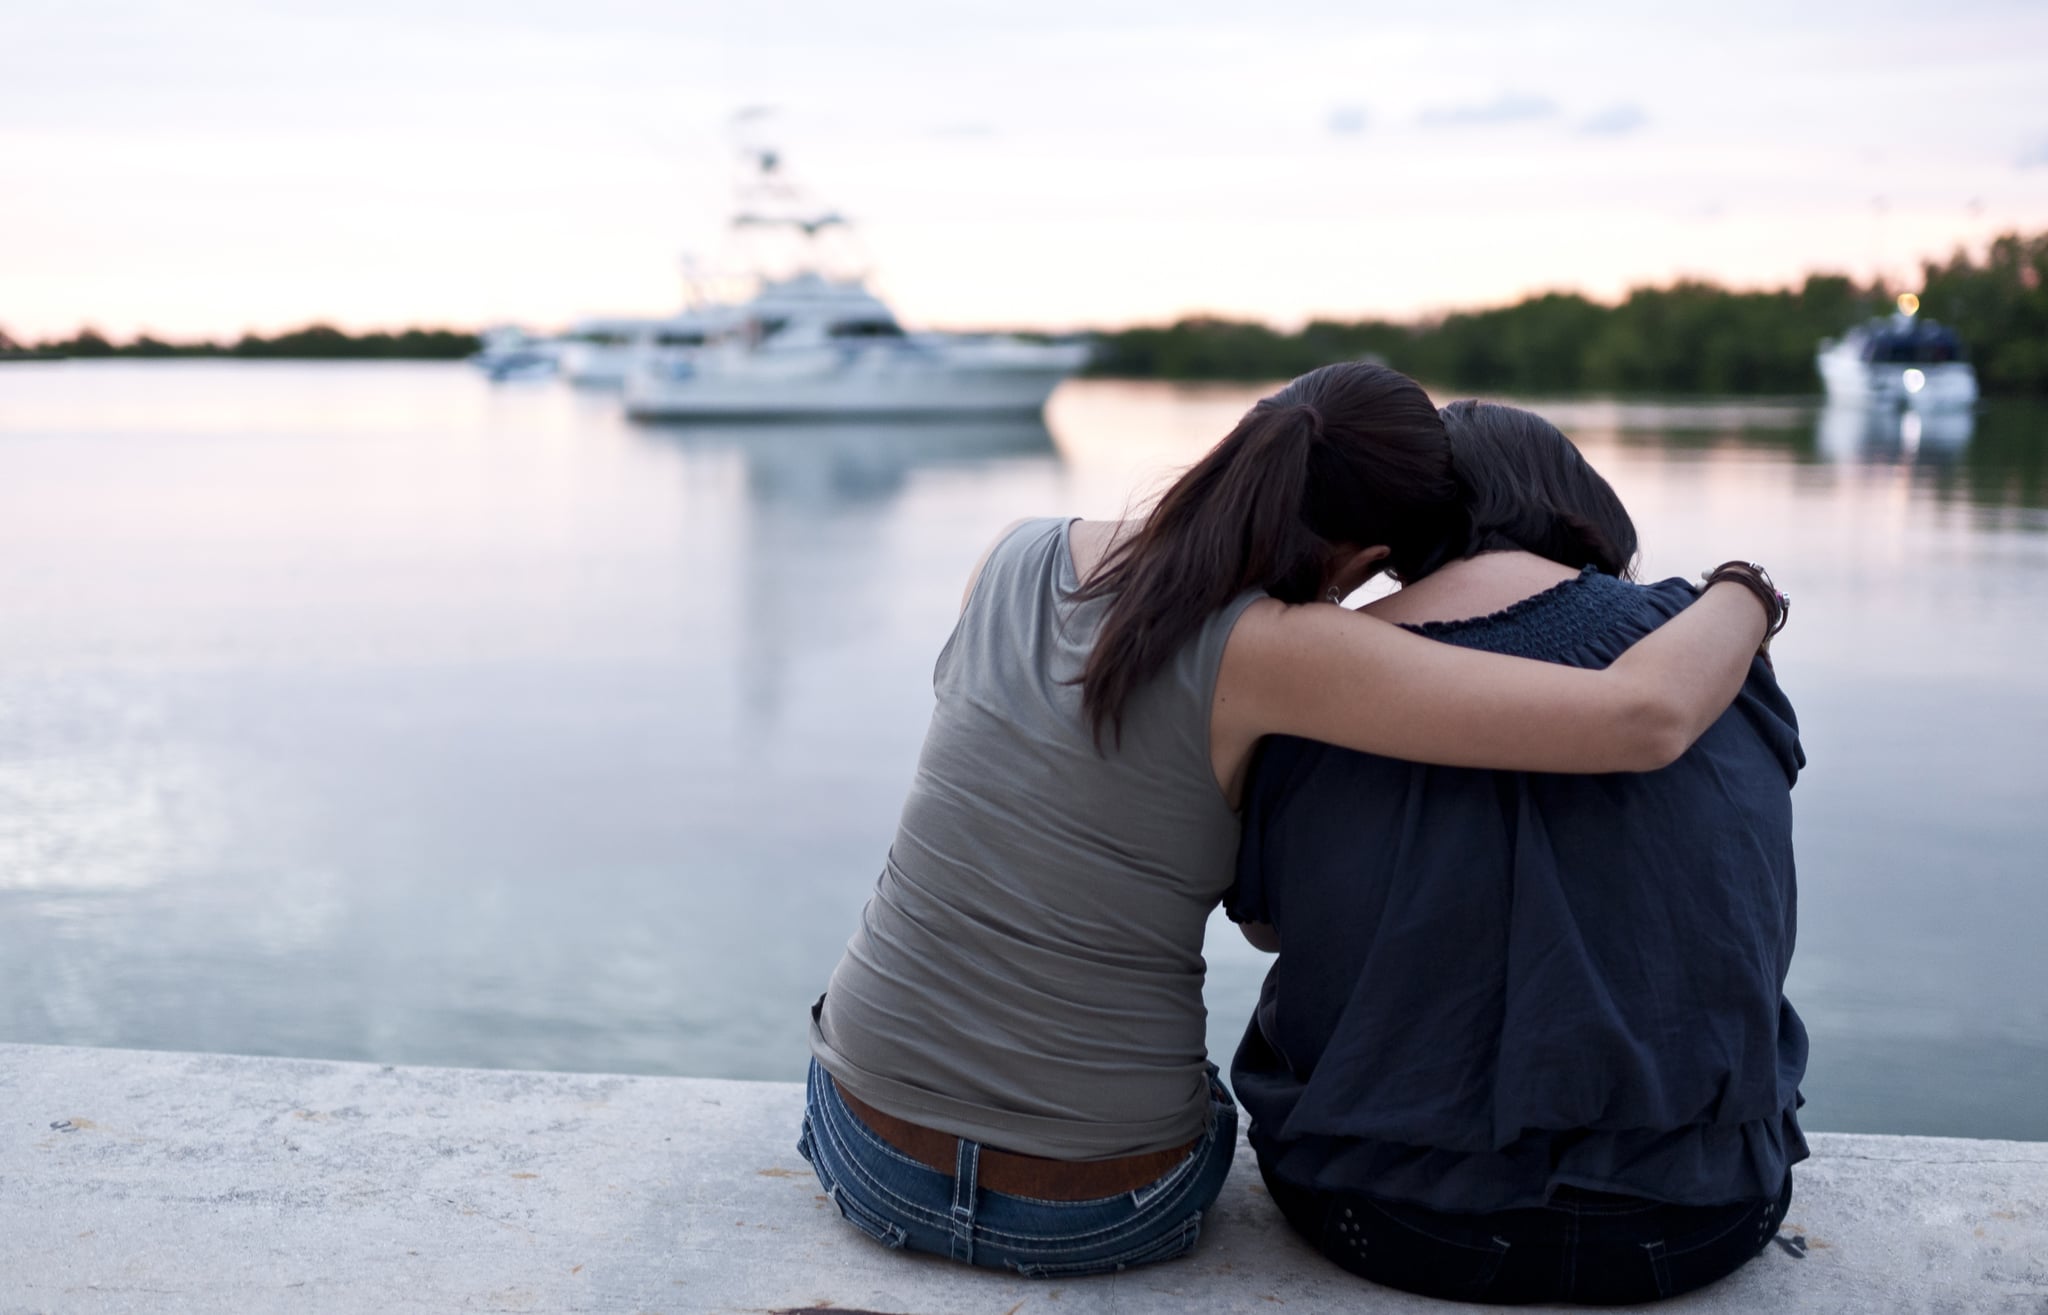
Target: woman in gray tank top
x=1008, y=1062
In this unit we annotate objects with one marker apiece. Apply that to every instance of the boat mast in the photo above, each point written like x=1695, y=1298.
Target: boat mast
x=782, y=230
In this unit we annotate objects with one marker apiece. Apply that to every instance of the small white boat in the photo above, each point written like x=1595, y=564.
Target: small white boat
x=810, y=346
x=1898, y=361
x=510, y=352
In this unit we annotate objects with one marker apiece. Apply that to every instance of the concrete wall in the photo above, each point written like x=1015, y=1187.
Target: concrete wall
x=152, y=1182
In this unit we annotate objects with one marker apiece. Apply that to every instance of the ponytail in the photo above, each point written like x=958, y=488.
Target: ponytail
x=1350, y=453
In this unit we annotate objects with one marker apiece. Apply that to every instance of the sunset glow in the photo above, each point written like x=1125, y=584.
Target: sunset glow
x=240, y=167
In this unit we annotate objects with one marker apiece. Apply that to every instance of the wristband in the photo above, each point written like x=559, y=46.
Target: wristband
x=1777, y=605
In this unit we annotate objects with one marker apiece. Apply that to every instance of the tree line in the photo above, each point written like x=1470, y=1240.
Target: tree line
x=1690, y=337
x=315, y=342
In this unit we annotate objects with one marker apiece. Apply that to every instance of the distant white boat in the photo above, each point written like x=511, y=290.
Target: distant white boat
x=511, y=352
x=597, y=349
x=811, y=346
x=1898, y=361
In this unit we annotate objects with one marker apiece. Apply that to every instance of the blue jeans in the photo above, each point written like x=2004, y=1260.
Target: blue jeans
x=902, y=1203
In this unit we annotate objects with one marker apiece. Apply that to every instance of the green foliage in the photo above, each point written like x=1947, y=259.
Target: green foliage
x=315, y=342
x=1204, y=349
x=322, y=342
x=87, y=342
x=1690, y=337
x=2001, y=310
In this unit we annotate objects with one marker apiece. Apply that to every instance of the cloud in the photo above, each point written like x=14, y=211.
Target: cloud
x=1347, y=120
x=2037, y=158
x=1617, y=120
x=1508, y=107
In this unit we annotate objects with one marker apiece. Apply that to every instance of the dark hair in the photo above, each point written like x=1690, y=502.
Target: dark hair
x=1529, y=488
x=1349, y=454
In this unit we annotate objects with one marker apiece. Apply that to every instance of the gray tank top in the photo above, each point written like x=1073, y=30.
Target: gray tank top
x=1028, y=972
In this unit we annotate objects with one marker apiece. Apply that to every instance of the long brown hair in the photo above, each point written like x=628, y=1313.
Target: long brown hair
x=1351, y=454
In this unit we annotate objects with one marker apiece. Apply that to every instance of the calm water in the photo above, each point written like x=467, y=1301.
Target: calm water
x=370, y=712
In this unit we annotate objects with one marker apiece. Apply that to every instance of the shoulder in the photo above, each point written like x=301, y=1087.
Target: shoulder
x=1002, y=536
x=1614, y=614
x=1666, y=598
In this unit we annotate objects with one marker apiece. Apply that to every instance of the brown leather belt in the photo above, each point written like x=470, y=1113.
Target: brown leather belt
x=1014, y=1174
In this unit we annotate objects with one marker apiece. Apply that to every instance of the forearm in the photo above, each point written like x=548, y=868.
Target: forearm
x=1686, y=673
x=1327, y=674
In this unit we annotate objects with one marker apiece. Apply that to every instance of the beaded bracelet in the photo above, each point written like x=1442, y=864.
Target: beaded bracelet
x=1777, y=605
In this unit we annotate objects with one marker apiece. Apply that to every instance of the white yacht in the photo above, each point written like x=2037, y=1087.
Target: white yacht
x=809, y=345
x=1901, y=360
x=602, y=353
x=813, y=341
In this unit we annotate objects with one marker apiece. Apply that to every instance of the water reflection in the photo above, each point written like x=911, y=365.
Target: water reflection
x=2005, y=463
x=1993, y=459
x=1888, y=436
x=854, y=461
x=369, y=712
x=814, y=489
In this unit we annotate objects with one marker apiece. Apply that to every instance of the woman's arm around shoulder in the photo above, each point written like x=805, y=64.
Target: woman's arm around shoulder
x=1331, y=674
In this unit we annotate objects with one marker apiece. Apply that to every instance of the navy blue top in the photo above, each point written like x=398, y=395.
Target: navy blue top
x=1491, y=984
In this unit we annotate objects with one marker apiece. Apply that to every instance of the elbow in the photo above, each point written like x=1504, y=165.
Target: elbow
x=1660, y=730
x=1262, y=935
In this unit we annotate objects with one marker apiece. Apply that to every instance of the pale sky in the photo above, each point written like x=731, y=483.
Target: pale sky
x=201, y=167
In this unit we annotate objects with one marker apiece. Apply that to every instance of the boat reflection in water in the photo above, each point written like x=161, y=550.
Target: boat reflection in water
x=1889, y=435
x=840, y=461
x=812, y=498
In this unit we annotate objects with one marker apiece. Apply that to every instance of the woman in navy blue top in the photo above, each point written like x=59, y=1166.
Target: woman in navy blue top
x=1526, y=1037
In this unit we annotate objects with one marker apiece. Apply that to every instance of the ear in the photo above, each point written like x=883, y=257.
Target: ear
x=1352, y=567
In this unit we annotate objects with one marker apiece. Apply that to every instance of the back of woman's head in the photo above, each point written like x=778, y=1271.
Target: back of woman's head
x=1529, y=488
x=1348, y=456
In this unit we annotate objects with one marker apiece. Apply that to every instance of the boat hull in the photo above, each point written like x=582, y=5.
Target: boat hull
x=596, y=365
x=1851, y=381
x=1003, y=381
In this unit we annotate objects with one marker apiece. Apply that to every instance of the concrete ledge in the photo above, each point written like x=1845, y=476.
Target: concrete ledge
x=156, y=1182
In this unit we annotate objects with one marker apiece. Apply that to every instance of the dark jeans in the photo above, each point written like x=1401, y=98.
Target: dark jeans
x=1588, y=1248
x=902, y=1203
